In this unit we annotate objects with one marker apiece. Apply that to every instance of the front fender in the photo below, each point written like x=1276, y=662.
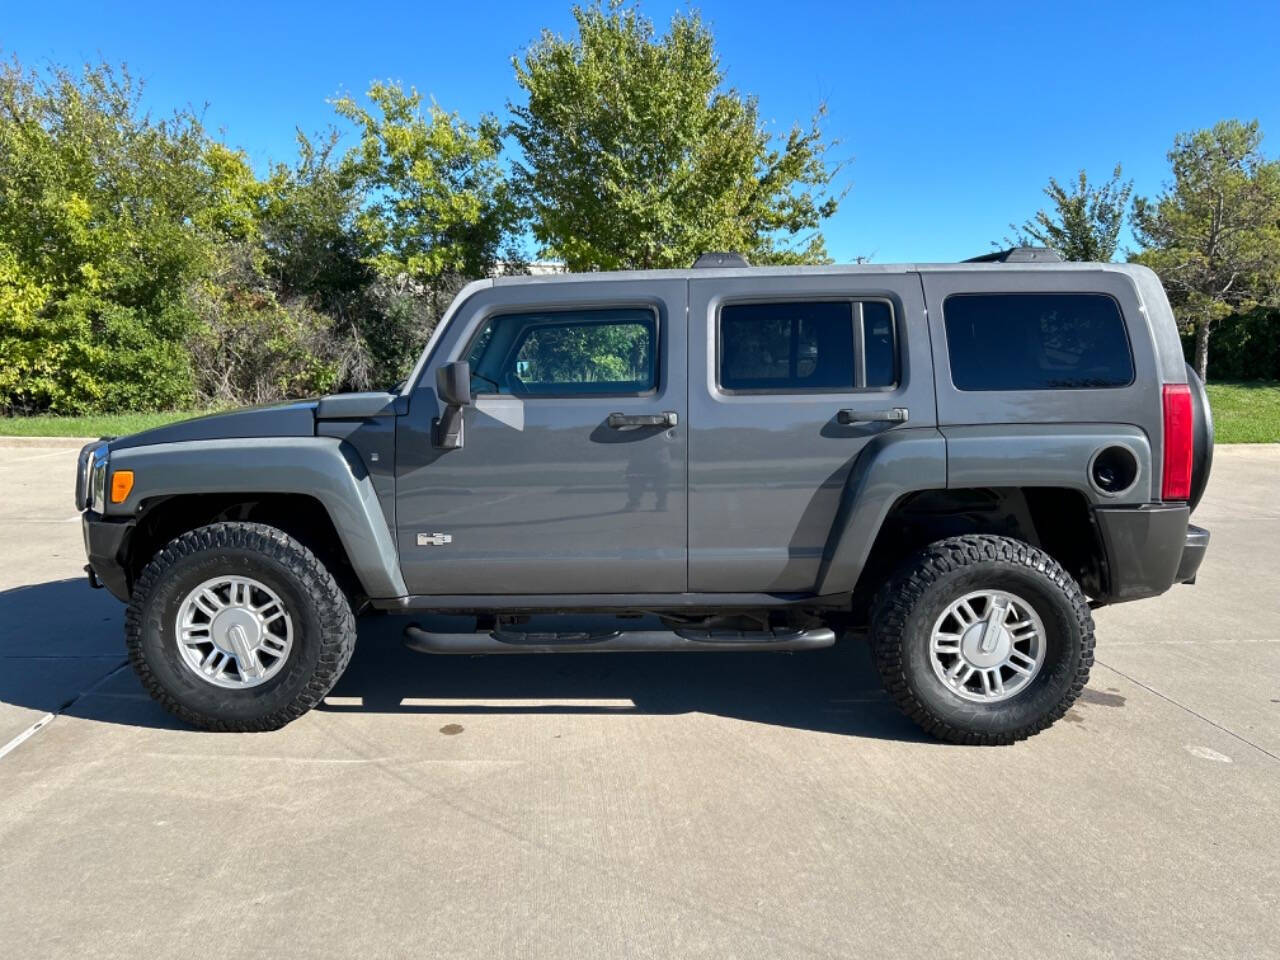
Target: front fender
x=321, y=467
x=894, y=463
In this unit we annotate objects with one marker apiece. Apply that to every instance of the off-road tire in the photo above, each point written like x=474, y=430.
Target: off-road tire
x=325, y=629
x=907, y=606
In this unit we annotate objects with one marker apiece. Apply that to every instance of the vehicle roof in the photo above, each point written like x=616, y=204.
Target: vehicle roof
x=851, y=269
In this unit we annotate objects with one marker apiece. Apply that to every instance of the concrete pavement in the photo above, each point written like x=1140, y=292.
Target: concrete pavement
x=765, y=805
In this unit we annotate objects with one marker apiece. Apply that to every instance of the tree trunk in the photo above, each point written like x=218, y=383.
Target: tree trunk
x=1202, y=349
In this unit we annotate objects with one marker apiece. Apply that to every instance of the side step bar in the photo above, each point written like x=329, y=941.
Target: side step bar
x=616, y=641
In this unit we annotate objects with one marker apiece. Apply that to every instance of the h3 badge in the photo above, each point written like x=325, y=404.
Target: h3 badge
x=434, y=539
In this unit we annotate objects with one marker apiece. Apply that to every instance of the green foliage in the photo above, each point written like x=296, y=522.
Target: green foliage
x=1081, y=224
x=145, y=265
x=438, y=204
x=1213, y=235
x=635, y=157
x=250, y=347
x=96, y=242
x=1246, y=346
x=306, y=223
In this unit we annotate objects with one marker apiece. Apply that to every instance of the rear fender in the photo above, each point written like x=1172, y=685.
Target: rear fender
x=1045, y=455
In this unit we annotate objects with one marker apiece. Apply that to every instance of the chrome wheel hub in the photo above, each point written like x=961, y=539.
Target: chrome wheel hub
x=234, y=632
x=987, y=646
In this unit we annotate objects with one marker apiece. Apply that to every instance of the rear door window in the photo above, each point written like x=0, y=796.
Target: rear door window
x=807, y=345
x=1036, y=341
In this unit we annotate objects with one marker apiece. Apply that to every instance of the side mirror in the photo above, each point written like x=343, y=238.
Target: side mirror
x=453, y=383
x=453, y=386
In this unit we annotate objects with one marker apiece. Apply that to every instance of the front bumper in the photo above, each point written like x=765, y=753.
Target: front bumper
x=106, y=542
x=1148, y=549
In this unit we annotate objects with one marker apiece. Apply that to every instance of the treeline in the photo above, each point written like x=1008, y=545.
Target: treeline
x=146, y=265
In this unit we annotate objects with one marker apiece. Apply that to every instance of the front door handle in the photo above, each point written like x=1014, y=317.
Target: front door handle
x=620, y=421
x=894, y=415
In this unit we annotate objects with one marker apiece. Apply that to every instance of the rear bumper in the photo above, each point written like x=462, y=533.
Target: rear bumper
x=1193, y=550
x=1148, y=548
x=105, y=543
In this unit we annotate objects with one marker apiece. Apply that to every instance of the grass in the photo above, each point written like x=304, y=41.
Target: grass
x=1247, y=412
x=92, y=425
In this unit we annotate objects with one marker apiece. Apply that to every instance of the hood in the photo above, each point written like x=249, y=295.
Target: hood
x=296, y=419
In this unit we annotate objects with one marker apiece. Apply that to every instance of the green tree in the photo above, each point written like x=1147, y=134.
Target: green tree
x=636, y=157
x=315, y=253
x=433, y=210
x=97, y=242
x=1082, y=223
x=1213, y=235
x=290, y=308
x=438, y=204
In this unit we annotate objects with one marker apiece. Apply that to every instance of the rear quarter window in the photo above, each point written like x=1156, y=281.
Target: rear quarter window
x=1036, y=341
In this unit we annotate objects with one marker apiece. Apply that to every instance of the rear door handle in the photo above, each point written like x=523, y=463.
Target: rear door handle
x=620, y=421
x=894, y=415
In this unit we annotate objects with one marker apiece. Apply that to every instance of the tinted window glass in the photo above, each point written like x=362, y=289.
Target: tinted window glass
x=786, y=346
x=878, y=342
x=1039, y=341
x=566, y=354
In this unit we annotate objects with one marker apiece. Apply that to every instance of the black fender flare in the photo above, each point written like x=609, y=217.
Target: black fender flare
x=322, y=467
x=894, y=463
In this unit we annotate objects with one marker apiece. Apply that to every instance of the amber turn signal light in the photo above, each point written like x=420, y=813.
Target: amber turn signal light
x=121, y=484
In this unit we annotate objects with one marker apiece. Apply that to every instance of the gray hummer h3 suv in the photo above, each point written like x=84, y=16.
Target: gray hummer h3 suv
x=959, y=460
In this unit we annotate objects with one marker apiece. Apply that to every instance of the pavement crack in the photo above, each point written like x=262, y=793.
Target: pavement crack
x=1182, y=706
x=92, y=687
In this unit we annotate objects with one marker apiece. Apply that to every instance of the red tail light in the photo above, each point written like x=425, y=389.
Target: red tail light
x=1177, y=442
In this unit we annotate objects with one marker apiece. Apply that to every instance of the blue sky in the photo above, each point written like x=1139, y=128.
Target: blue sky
x=954, y=115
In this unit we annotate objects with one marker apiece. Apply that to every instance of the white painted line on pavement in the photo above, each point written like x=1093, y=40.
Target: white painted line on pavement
x=26, y=734
x=1207, y=753
x=48, y=718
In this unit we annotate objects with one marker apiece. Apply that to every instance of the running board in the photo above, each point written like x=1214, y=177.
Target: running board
x=616, y=641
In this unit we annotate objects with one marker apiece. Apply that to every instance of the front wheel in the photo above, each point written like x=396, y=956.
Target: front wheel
x=237, y=626
x=983, y=639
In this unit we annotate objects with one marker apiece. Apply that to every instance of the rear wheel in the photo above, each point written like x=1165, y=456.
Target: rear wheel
x=237, y=626
x=983, y=639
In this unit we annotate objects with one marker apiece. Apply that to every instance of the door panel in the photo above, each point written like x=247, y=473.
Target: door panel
x=545, y=496
x=767, y=467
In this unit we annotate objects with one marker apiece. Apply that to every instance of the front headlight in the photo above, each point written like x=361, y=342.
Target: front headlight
x=91, y=478
x=98, y=502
